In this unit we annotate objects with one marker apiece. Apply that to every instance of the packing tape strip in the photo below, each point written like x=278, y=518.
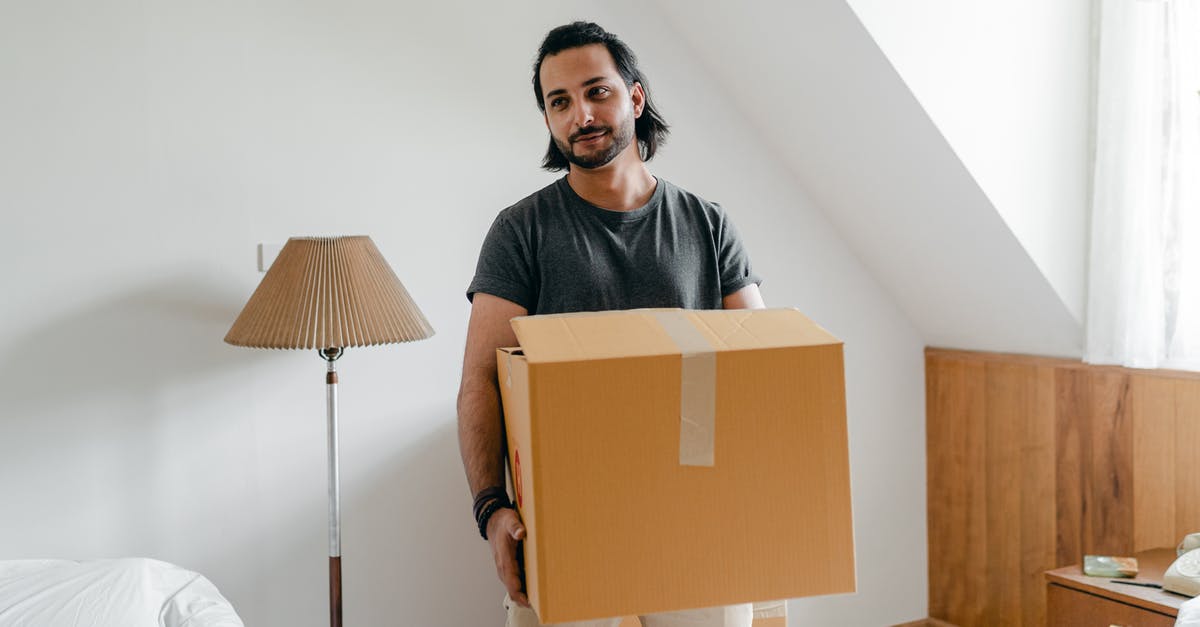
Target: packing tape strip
x=698, y=389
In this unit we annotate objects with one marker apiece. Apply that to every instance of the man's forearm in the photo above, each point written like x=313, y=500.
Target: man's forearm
x=481, y=436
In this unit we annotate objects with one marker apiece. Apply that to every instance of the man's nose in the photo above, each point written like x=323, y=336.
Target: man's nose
x=585, y=116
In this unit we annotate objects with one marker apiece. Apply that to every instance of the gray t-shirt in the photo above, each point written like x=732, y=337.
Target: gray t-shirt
x=554, y=252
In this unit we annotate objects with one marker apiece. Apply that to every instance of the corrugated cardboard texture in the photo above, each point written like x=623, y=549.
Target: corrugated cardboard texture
x=617, y=526
x=513, y=373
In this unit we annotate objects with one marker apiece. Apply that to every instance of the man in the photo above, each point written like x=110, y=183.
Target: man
x=608, y=235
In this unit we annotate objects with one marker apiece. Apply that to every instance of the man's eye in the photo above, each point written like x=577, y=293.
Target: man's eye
x=600, y=91
x=557, y=103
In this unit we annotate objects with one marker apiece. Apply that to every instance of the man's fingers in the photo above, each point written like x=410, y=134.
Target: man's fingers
x=510, y=576
x=505, y=551
x=513, y=583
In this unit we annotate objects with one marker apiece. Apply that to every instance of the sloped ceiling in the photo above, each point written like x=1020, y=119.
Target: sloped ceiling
x=827, y=102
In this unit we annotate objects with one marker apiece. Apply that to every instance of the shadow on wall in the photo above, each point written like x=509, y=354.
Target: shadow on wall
x=125, y=346
x=419, y=507
x=87, y=400
x=411, y=554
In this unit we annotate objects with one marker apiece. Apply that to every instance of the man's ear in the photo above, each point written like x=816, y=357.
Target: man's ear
x=546, y=119
x=638, y=95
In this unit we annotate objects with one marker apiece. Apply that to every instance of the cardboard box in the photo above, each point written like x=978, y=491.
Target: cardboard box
x=670, y=459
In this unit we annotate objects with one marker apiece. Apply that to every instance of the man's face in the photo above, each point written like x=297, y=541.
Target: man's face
x=589, y=111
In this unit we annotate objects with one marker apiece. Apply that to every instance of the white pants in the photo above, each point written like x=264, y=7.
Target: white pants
x=727, y=616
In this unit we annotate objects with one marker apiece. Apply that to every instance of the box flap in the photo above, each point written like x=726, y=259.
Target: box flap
x=645, y=332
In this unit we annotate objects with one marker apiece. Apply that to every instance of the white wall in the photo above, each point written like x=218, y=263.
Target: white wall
x=1007, y=83
x=827, y=105
x=148, y=147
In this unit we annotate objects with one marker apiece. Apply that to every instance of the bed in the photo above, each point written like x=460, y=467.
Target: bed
x=130, y=592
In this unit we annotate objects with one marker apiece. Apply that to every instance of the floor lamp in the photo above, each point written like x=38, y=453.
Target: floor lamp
x=328, y=294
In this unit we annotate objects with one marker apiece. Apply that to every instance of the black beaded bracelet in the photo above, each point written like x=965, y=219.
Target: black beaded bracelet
x=486, y=495
x=485, y=515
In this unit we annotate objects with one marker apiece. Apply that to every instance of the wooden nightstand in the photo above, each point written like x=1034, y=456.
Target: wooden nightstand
x=1076, y=600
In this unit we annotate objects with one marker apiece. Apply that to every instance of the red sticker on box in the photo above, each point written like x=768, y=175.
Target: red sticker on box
x=517, y=475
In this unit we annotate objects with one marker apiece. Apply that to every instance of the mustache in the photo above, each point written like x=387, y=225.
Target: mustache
x=588, y=130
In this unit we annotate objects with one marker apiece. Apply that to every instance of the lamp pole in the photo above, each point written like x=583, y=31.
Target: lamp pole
x=335, y=514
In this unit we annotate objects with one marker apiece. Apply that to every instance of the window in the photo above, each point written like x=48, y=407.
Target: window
x=1144, y=272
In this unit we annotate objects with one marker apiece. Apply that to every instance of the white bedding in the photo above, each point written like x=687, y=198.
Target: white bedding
x=1189, y=614
x=130, y=592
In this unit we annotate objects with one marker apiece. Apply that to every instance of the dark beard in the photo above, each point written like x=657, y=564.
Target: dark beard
x=622, y=136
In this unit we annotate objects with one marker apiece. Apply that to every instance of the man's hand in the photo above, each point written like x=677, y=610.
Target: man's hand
x=504, y=531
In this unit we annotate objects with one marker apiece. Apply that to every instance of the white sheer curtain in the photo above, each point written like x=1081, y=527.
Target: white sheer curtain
x=1144, y=278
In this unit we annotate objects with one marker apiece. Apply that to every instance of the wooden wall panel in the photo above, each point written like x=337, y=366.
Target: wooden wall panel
x=1111, y=465
x=1154, y=456
x=1038, y=506
x=1034, y=462
x=1008, y=398
x=956, y=491
x=1187, y=457
x=1021, y=511
x=1095, y=463
x=1073, y=441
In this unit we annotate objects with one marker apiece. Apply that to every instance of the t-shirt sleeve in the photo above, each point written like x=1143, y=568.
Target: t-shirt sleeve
x=504, y=267
x=732, y=257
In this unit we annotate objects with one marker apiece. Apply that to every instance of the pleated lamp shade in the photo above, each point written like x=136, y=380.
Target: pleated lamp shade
x=329, y=292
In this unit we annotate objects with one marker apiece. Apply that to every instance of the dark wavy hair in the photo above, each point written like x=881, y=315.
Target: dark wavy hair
x=650, y=128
